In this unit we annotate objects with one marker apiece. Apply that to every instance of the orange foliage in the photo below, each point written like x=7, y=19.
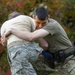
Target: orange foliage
x=57, y=4
x=20, y=4
x=66, y=28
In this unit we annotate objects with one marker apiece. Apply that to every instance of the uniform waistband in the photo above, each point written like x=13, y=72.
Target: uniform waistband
x=16, y=43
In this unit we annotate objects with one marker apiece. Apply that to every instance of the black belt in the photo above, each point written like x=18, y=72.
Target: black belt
x=58, y=56
x=61, y=55
x=70, y=53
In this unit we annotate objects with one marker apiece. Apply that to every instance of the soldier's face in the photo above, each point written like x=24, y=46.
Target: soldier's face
x=40, y=23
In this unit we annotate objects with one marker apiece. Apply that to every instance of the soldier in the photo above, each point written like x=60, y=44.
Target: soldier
x=59, y=48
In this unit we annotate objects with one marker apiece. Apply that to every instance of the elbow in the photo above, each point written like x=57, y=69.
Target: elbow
x=31, y=39
x=45, y=46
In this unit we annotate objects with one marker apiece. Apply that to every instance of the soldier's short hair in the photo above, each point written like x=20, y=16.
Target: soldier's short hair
x=13, y=14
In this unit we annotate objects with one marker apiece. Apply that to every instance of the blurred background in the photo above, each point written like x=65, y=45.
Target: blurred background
x=61, y=10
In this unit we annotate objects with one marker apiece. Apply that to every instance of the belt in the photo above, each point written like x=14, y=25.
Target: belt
x=70, y=53
x=60, y=56
x=16, y=43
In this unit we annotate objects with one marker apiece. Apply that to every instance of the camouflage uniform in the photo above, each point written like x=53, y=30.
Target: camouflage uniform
x=21, y=58
x=67, y=68
x=59, y=41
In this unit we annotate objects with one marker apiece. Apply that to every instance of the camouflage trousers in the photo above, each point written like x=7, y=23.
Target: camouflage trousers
x=67, y=68
x=21, y=58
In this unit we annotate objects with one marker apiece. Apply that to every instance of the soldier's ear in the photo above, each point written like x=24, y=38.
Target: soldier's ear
x=32, y=16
